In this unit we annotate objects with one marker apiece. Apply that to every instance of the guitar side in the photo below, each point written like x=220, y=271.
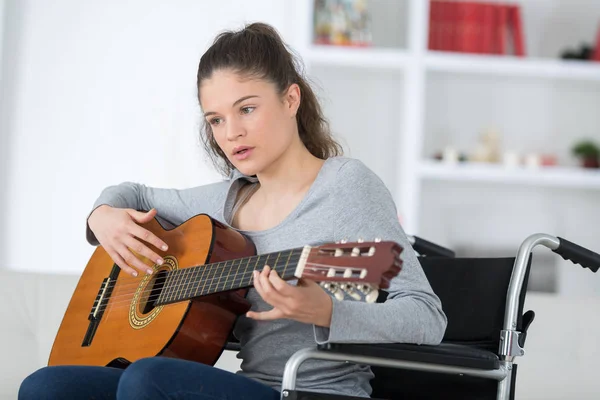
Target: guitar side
x=122, y=328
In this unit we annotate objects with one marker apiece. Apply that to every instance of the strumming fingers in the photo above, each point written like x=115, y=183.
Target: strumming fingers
x=121, y=263
x=148, y=237
x=132, y=260
x=139, y=248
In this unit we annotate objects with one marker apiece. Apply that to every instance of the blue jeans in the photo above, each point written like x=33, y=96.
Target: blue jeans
x=148, y=378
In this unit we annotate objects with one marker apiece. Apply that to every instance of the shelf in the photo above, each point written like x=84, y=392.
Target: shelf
x=362, y=57
x=513, y=66
x=564, y=177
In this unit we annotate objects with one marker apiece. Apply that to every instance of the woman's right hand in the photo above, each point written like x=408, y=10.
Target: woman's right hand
x=118, y=232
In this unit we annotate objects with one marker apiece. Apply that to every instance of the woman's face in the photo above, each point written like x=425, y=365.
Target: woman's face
x=252, y=124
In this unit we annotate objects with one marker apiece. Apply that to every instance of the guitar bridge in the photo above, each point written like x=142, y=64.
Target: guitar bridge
x=106, y=289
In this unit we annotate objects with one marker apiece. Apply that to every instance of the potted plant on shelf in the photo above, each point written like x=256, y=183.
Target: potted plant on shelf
x=588, y=153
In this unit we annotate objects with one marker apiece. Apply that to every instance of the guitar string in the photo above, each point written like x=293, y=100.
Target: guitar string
x=135, y=280
x=128, y=295
x=180, y=274
x=185, y=279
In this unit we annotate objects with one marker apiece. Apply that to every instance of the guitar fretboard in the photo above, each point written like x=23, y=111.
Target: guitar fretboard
x=222, y=276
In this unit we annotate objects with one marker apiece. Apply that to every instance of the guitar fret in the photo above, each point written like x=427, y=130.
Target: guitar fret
x=228, y=274
x=172, y=286
x=215, y=280
x=221, y=277
x=253, y=269
x=208, y=267
x=237, y=272
x=286, y=263
x=200, y=274
x=210, y=277
x=216, y=277
x=190, y=283
x=180, y=285
x=276, y=260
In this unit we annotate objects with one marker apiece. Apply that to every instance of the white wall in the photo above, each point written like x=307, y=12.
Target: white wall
x=99, y=93
x=2, y=7
x=4, y=27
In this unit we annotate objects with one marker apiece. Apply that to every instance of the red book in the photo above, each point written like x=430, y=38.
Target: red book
x=596, y=56
x=501, y=29
x=487, y=29
x=516, y=24
x=448, y=26
x=469, y=39
x=435, y=26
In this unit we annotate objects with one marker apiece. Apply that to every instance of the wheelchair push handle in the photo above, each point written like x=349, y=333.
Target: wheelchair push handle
x=578, y=254
x=427, y=248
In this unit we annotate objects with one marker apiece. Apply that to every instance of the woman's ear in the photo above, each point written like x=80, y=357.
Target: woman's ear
x=292, y=99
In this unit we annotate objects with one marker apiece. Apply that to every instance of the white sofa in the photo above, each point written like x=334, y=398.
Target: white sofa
x=561, y=360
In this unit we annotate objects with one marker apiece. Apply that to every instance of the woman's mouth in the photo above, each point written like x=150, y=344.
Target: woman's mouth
x=243, y=153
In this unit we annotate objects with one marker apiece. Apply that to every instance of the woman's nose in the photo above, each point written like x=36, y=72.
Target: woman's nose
x=235, y=129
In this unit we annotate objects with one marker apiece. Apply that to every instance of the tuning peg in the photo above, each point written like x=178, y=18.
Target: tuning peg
x=339, y=252
x=377, y=240
x=352, y=293
x=343, y=241
x=360, y=240
x=370, y=292
x=372, y=296
x=355, y=252
x=371, y=251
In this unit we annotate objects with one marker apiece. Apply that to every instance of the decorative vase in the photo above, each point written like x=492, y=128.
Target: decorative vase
x=591, y=162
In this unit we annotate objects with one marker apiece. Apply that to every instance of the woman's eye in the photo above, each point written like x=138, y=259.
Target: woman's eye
x=247, y=110
x=215, y=121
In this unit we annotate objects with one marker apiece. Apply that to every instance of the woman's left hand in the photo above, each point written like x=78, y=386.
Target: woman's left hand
x=307, y=302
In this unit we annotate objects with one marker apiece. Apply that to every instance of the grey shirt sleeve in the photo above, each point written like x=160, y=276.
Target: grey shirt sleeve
x=173, y=206
x=412, y=313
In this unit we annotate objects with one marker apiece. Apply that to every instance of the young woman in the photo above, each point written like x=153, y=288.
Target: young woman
x=287, y=186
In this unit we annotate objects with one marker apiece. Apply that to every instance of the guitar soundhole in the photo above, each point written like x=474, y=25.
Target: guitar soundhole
x=155, y=287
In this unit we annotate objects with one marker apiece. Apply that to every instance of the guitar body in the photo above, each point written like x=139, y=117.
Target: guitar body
x=127, y=329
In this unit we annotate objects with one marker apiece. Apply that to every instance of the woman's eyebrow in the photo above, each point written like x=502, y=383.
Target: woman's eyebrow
x=206, y=114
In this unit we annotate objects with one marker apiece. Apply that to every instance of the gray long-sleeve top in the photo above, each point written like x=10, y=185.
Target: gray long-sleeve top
x=346, y=201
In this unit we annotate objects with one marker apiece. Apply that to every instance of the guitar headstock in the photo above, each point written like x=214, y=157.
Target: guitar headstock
x=355, y=269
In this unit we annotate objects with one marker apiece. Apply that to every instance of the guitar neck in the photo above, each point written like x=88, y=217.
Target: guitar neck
x=187, y=283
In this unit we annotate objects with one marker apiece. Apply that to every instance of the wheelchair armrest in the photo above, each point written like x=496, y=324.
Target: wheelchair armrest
x=233, y=346
x=443, y=354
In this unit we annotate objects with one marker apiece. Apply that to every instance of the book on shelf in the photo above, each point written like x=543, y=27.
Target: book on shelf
x=476, y=27
x=596, y=56
x=342, y=23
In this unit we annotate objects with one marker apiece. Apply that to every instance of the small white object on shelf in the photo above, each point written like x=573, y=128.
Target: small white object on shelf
x=564, y=177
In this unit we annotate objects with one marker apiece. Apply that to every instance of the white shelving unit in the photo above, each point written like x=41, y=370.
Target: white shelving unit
x=417, y=78
x=513, y=67
x=557, y=177
x=358, y=57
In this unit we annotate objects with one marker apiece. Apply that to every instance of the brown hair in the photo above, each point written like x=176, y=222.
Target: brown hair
x=258, y=51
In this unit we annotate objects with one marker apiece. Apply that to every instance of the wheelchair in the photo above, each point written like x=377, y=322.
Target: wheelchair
x=483, y=300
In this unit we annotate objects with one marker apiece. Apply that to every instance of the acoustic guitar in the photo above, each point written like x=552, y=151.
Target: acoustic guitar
x=188, y=306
